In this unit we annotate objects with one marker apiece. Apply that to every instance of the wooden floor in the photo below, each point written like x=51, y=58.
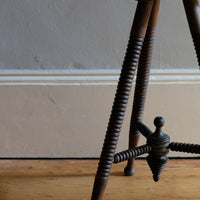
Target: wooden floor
x=73, y=180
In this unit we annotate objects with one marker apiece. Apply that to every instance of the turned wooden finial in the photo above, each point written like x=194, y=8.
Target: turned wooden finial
x=159, y=142
x=159, y=122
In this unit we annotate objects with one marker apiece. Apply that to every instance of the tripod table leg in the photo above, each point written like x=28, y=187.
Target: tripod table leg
x=137, y=35
x=192, y=10
x=143, y=74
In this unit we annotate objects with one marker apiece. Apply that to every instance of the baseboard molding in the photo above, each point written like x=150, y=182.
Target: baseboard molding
x=90, y=77
x=60, y=113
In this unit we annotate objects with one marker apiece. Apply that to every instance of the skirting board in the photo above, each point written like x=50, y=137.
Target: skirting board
x=61, y=113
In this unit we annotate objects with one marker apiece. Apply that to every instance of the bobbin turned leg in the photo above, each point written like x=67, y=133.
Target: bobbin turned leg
x=138, y=31
x=142, y=84
x=192, y=10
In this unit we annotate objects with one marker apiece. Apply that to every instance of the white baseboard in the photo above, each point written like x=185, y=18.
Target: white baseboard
x=63, y=113
x=91, y=77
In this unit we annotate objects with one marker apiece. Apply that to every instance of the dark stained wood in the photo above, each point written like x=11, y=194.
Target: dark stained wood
x=158, y=146
x=192, y=10
x=142, y=80
x=185, y=147
x=131, y=153
x=131, y=60
x=159, y=143
x=139, y=51
x=144, y=130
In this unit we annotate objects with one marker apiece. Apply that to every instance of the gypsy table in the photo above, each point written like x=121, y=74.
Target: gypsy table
x=138, y=56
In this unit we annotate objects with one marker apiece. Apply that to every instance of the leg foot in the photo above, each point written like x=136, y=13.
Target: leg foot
x=129, y=171
x=99, y=188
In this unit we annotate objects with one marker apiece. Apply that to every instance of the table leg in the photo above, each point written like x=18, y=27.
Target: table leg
x=192, y=10
x=136, y=40
x=142, y=80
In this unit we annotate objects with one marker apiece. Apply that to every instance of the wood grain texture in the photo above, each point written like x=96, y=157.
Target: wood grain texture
x=73, y=180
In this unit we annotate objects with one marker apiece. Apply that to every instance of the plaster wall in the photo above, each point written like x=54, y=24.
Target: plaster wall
x=86, y=34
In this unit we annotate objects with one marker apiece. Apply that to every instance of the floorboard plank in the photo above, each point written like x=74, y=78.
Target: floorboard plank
x=73, y=180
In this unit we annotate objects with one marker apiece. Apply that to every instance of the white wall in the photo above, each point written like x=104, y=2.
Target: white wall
x=86, y=34
x=48, y=113
x=65, y=114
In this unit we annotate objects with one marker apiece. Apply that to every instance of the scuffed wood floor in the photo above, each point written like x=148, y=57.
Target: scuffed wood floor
x=73, y=180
